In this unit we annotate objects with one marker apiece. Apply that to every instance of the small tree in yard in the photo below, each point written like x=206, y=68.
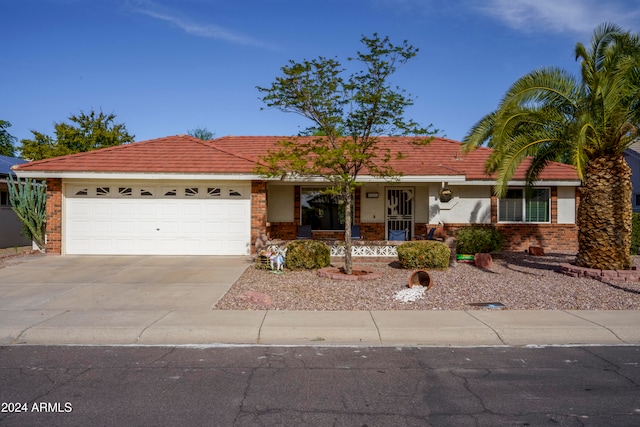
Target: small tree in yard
x=85, y=133
x=348, y=115
x=28, y=201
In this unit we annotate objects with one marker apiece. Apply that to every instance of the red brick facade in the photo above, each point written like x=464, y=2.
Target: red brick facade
x=258, y=210
x=54, y=216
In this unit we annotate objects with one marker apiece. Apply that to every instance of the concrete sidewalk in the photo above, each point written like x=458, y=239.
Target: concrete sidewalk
x=379, y=328
x=168, y=301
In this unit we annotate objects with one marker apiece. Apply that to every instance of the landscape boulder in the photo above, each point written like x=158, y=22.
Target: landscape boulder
x=483, y=261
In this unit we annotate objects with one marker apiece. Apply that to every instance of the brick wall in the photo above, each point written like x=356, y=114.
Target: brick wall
x=258, y=210
x=54, y=216
x=518, y=237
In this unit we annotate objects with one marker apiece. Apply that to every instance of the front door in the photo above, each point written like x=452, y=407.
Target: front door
x=400, y=213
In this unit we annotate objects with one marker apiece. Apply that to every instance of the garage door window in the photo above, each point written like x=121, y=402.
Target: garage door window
x=102, y=191
x=125, y=191
x=162, y=192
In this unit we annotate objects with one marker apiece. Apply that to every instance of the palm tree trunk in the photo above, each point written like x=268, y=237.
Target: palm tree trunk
x=604, y=215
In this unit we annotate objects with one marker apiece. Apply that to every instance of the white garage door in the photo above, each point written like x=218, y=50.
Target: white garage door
x=157, y=220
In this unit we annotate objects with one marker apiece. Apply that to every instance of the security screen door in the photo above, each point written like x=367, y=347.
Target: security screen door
x=400, y=213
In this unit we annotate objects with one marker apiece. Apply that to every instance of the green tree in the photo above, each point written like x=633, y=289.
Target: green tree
x=6, y=140
x=550, y=114
x=85, y=133
x=201, y=133
x=347, y=114
x=28, y=201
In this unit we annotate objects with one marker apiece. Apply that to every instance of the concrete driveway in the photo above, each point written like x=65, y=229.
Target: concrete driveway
x=118, y=282
x=166, y=300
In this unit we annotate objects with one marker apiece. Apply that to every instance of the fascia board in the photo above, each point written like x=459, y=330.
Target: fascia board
x=138, y=176
x=540, y=183
x=376, y=179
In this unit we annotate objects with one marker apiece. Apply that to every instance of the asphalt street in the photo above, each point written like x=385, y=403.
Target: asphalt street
x=318, y=386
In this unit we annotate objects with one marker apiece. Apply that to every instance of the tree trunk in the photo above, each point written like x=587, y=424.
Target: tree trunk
x=347, y=231
x=604, y=215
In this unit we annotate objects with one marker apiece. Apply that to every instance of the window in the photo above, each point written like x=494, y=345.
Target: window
x=145, y=192
x=517, y=206
x=191, y=191
x=125, y=191
x=102, y=191
x=82, y=192
x=213, y=191
x=320, y=210
x=4, y=198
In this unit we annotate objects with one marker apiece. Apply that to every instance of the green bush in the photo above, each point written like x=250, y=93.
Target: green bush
x=635, y=234
x=478, y=239
x=424, y=254
x=307, y=254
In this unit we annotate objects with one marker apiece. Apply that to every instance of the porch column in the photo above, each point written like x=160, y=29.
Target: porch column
x=258, y=210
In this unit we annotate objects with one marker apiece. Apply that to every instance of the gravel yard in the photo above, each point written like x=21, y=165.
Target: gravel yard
x=517, y=280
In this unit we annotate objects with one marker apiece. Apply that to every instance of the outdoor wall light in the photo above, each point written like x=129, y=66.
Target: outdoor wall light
x=446, y=195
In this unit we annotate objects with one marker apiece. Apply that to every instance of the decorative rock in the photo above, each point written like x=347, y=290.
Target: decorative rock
x=483, y=261
x=359, y=273
x=260, y=299
x=536, y=251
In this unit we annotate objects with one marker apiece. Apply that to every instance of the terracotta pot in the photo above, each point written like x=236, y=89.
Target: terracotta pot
x=420, y=278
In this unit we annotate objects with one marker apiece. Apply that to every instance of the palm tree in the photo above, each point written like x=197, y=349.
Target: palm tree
x=549, y=114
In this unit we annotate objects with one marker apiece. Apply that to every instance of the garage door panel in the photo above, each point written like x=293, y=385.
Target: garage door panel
x=169, y=227
x=145, y=209
x=213, y=228
x=235, y=227
x=193, y=227
x=193, y=209
x=104, y=245
x=126, y=210
x=103, y=227
x=169, y=208
x=145, y=246
x=100, y=209
x=157, y=224
x=214, y=210
x=146, y=227
x=122, y=245
x=236, y=208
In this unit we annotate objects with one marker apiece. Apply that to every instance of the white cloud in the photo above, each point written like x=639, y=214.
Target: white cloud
x=573, y=16
x=189, y=26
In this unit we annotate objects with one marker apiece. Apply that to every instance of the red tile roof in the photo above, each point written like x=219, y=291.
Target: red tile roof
x=238, y=155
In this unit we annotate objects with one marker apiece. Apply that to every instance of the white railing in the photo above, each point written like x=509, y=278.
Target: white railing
x=366, y=250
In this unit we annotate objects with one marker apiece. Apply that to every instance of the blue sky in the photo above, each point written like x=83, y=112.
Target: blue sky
x=167, y=66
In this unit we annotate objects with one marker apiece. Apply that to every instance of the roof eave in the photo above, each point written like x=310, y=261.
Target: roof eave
x=539, y=183
x=138, y=175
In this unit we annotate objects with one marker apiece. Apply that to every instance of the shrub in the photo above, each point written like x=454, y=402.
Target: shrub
x=478, y=239
x=424, y=254
x=635, y=234
x=307, y=254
